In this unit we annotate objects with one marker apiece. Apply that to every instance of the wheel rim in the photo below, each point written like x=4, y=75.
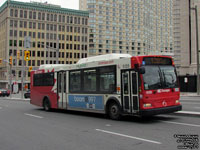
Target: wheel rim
x=114, y=110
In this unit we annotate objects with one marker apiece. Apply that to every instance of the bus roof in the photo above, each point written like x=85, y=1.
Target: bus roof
x=50, y=66
x=103, y=58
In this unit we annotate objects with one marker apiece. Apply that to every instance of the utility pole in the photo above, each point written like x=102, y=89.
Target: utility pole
x=27, y=44
x=10, y=80
x=197, y=48
x=197, y=42
x=22, y=76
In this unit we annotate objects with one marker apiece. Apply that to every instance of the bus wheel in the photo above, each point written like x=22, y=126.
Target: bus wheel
x=46, y=105
x=114, y=111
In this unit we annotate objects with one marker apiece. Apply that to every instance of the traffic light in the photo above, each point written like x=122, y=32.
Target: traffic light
x=30, y=69
x=18, y=54
x=0, y=61
x=10, y=60
x=26, y=55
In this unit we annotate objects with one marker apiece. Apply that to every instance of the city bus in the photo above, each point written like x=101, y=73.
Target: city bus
x=112, y=84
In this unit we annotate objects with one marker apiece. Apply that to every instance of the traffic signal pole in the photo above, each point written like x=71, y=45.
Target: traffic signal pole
x=22, y=76
x=10, y=80
x=10, y=64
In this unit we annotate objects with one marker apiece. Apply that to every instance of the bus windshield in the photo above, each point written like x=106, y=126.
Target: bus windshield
x=159, y=77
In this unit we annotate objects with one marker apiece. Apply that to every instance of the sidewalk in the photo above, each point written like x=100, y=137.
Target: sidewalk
x=189, y=94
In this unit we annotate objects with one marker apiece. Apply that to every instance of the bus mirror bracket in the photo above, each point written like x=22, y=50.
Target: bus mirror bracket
x=142, y=70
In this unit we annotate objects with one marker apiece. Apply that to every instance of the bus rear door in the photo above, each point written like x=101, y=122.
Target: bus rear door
x=130, y=100
x=61, y=89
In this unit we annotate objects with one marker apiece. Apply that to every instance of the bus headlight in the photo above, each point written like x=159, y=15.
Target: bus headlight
x=177, y=101
x=147, y=105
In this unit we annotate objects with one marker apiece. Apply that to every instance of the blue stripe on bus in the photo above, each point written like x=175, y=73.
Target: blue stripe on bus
x=86, y=102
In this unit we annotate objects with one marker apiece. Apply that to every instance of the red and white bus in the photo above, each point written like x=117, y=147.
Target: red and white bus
x=113, y=84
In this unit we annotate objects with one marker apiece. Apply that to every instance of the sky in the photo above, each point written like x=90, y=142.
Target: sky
x=72, y=4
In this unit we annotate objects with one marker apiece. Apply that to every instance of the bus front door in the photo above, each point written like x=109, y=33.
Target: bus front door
x=130, y=91
x=61, y=90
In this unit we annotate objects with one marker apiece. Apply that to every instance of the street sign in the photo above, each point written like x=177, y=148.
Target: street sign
x=27, y=42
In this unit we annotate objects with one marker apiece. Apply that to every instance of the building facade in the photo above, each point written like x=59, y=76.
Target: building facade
x=185, y=36
x=50, y=28
x=130, y=26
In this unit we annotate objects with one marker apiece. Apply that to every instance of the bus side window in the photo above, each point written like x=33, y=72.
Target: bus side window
x=75, y=81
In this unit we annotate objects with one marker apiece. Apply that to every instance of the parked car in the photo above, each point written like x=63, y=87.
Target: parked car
x=4, y=92
x=27, y=94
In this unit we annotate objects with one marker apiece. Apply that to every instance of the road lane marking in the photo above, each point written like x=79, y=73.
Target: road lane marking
x=185, y=124
x=128, y=136
x=108, y=125
x=33, y=115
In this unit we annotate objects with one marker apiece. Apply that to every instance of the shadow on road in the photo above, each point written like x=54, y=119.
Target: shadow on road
x=135, y=119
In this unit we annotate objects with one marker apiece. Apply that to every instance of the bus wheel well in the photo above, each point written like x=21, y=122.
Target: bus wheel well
x=109, y=102
x=46, y=103
x=113, y=109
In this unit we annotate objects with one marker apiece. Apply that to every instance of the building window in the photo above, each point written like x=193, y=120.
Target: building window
x=11, y=12
x=21, y=14
x=16, y=13
x=55, y=17
x=43, y=16
x=25, y=14
x=30, y=14
x=39, y=16
x=33, y=62
x=34, y=15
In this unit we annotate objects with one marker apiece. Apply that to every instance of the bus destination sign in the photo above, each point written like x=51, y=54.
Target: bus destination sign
x=157, y=61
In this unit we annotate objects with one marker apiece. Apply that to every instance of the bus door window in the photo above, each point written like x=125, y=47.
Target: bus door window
x=125, y=92
x=125, y=83
x=134, y=95
x=59, y=83
x=134, y=84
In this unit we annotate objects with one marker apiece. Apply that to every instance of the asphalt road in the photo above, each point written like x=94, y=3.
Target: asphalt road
x=190, y=103
x=26, y=127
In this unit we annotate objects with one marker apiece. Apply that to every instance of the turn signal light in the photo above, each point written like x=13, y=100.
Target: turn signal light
x=147, y=105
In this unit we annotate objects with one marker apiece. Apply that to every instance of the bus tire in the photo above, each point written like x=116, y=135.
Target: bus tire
x=114, y=111
x=46, y=105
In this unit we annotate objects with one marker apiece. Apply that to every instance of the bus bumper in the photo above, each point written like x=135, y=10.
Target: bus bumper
x=157, y=111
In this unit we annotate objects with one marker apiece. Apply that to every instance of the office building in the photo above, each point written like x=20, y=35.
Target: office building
x=50, y=27
x=136, y=27
x=185, y=36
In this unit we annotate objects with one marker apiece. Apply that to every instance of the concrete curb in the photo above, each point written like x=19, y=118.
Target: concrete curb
x=17, y=99
x=189, y=113
x=190, y=95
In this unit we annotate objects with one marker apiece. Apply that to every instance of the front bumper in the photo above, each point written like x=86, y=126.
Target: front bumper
x=157, y=111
